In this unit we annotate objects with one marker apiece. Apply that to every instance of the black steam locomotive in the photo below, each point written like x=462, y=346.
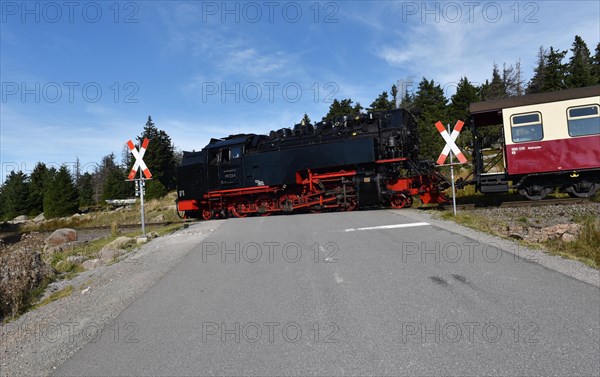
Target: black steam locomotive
x=371, y=159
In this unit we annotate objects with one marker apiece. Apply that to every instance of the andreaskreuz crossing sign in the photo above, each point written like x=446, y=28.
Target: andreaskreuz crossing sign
x=450, y=142
x=139, y=162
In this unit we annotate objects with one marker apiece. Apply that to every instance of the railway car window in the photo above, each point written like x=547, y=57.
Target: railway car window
x=527, y=127
x=584, y=120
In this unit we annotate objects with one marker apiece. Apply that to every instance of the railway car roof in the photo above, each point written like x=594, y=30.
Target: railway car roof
x=489, y=112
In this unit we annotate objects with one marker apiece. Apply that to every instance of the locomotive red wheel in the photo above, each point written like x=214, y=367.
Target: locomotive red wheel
x=207, y=214
x=239, y=207
x=409, y=201
x=398, y=201
x=350, y=205
x=264, y=205
x=288, y=201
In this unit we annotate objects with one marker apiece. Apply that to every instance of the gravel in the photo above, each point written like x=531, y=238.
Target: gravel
x=39, y=341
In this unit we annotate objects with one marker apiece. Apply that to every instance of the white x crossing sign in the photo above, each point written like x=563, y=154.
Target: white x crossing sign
x=450, y=142
x=139, y=162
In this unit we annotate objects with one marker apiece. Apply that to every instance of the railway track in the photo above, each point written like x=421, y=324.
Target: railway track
x=518, y=203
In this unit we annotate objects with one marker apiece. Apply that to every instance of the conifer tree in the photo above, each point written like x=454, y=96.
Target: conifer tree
x=37, y=182
x=431, y=105
x=555, y=76
x=381, y=103
x=60, y=195
x=86, y=190
x=14, y=195
x=580, y=65
x=159, y=157
x=596, y=65
x=536, y=84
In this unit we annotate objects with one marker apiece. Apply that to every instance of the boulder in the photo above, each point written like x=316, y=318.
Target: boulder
x=61, y=236
x=568, y=237
x=39, y=218
x=119, y=243
x=19, y=220
x=108, y=255
x=76, y=259
x=91, y=264
x=141, y=240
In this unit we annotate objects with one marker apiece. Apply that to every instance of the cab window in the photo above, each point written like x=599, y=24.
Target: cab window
x=236, y=152
x=583, y=120
x=526, y=127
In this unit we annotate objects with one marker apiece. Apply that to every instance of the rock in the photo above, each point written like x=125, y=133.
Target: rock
x=516, y=236
x=108, y=255
x=39, y=218
x=21, y=271
x=158, y=219
x=119, y=243
x=76, y=259
x=91, y=264
x=19, y=220
x=141, y=240
x=152, y=235
x=567, y=237
x=61, y=236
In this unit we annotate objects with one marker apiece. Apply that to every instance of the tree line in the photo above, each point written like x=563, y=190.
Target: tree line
x=58, y=192
x=61, y=192
x=429, y=104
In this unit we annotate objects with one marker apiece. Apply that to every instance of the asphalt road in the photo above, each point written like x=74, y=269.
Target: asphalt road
x=335, y=294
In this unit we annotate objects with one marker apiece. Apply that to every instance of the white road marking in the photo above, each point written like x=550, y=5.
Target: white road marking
x=338, y=278
x=393, y=226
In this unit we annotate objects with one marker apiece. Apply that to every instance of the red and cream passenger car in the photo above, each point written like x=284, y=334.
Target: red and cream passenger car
x=547, y=141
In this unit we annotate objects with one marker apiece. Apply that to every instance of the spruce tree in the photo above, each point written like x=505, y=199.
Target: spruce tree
x=60, y=195
x=407, y=101
x=160, y=155
x=116, y=185
x=14, y=195
x=37, y=182
x=86, y=190
x=536, y=84
x=596, y=65
x=394, y=93
x=305, y=120
x=497, y=89
x=431, y=105
x=555, y=76
x=466, y=94
x=580, y=66
x=342, y=108
x=381, y=103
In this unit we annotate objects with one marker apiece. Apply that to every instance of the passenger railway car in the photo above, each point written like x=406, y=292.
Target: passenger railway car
x=548, y=141
x=362, y=161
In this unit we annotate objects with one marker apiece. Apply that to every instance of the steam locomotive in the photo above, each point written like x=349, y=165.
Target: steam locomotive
x=367, y=160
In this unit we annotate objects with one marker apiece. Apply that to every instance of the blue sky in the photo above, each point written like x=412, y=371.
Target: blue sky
x=80, y=78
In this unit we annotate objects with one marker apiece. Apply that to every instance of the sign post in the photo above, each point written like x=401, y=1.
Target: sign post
x=144, y=174
x=451, y=149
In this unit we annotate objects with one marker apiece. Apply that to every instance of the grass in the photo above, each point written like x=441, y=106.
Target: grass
x=65, y=292
x=585, y=248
